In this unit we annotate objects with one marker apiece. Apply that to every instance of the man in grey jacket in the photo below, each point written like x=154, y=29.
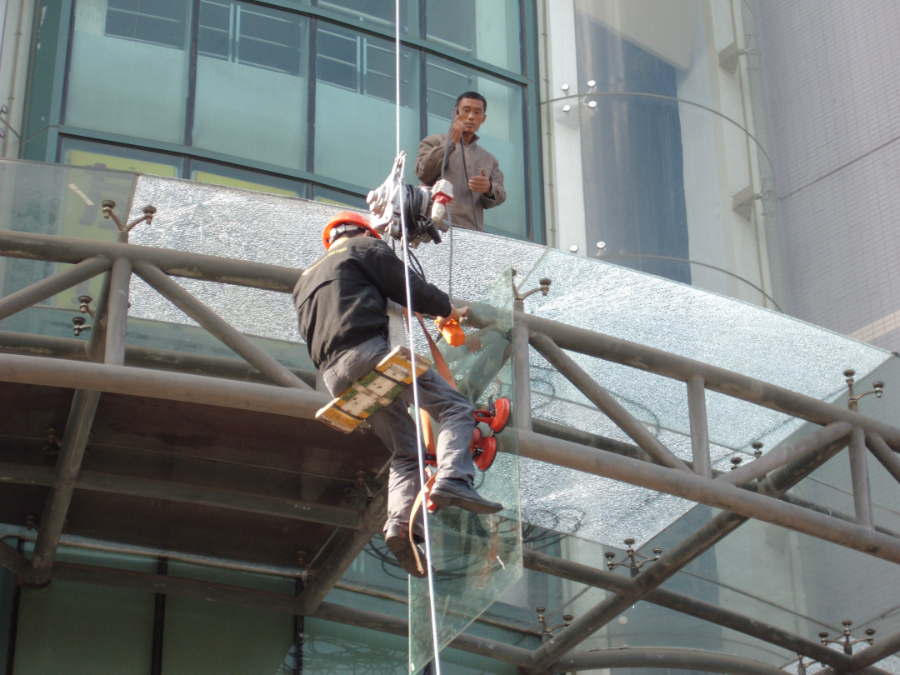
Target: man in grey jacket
x=474, y=172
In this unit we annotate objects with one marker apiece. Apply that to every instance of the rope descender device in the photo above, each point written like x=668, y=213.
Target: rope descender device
x=423, y=208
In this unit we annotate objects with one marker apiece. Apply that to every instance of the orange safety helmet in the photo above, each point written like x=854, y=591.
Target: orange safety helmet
x=346, y=218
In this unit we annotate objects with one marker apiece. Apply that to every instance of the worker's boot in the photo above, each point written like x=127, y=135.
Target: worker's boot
x=458, y=492
x=397, y=541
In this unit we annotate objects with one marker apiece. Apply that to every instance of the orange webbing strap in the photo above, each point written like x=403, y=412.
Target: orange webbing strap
x=443, y=370
x=440, y=364
x=412, y=517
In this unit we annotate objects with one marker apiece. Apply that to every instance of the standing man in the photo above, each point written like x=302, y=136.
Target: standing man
x=341, y=303
x=474, y=172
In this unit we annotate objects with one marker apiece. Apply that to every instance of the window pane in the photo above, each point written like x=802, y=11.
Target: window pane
x=488, y=30
x=206, y=637
x=104, y=156
x=252, y=83
x=329, y=196
x=378, y=13
x=502, y=133
x=355, y=112
x=205, y=172
x=128, y=73
x=82, y=629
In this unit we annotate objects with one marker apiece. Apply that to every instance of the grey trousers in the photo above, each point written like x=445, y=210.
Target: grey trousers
x=395, y=426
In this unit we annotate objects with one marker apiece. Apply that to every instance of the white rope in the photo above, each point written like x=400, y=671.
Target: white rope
x=429, y=570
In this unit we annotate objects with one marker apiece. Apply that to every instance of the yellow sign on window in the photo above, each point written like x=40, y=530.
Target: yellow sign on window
x=226, y=181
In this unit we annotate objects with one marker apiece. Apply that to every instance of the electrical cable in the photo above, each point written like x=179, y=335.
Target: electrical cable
x=429, y=569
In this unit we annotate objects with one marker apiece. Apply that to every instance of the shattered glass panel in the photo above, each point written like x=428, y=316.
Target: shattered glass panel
x=475, y=558
x=587, y=293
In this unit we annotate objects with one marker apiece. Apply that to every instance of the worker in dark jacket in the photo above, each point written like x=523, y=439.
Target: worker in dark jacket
x=341, y=303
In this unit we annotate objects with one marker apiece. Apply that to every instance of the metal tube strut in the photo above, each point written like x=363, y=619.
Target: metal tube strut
x=662, y=657
x=779, y=456
x=685, y=604
x=696, y=395
x=177, y=263
x=606, y=403
x=161, y=384
x=71, y=452
x=884, y=454
x=218, y=327
x=676, y=558
x=57, y=283
x=859, y=478
x=642, y=357
x=710, y=492
x=333, y=568
x=117, y=312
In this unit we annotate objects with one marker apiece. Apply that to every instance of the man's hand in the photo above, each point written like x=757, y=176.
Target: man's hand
x=459, y=126
x=456, y=313
x=481, y=184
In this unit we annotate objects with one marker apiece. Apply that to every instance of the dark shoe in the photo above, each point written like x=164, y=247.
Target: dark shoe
x=457, y=492
x=398, y=543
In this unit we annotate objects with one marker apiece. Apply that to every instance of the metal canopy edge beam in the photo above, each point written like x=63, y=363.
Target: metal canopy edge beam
x=161, y=384
x=716, y=379
x=656, y=657
x=566, y=569
x=710, y=492
x=176, y=263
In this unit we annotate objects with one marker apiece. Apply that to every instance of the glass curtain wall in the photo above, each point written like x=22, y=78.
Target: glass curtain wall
x=304, y=96
x=657, y=150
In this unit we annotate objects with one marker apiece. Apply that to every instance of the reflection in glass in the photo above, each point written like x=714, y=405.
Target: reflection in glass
x=252, y=83
x=486, y=30
x=129, y=68
x=355, y=112
x=103, y=156
x=631, y=151
x=502, y=133
x=475, y=558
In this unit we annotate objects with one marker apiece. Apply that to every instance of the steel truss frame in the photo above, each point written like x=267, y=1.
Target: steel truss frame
x=755, y=490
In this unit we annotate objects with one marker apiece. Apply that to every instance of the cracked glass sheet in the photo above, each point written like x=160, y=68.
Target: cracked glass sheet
x=475, y=558
x=59, y=200
x=587, y=293
x=679, y=319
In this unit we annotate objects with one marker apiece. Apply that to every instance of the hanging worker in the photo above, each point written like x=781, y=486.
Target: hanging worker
x=341, y=303
x=474, y=172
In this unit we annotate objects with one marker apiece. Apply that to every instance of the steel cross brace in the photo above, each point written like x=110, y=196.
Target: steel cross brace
x=674, y=560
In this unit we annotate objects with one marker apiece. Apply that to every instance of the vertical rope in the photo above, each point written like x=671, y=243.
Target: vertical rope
x=429, y=570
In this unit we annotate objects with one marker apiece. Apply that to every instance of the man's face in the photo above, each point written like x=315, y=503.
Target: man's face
x=471, y=111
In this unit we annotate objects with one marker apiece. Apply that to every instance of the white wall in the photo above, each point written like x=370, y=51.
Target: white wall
x=16, y=20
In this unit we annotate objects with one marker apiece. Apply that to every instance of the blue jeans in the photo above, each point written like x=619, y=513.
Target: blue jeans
x=395, y=426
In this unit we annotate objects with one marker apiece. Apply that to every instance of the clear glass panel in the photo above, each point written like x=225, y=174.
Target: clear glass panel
x=252, y=83
x=217, y=174
x=129, y=68
x=59, y=200
x=475, y=558
x=378, y=13
x=355, y=111
x=502, y=133
x=486, y=30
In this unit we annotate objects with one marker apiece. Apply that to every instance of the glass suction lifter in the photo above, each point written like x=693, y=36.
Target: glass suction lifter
x=424, y=208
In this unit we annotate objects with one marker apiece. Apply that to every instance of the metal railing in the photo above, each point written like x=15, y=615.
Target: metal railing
x=756, y=490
